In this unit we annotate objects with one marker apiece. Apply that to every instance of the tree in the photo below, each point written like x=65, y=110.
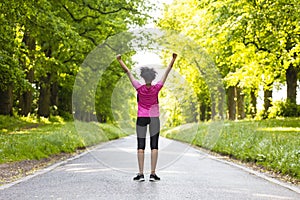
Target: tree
x=46, y=42
x=10, y=74
x=271, y=27
x=27, y=62
x=185, y=17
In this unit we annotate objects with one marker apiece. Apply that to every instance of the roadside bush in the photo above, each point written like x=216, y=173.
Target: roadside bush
x=284, y=109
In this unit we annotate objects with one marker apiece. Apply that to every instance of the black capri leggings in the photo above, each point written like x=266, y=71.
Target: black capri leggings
x=141, y=130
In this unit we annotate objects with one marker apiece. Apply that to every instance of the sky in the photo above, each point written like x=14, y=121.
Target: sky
x=147, y=57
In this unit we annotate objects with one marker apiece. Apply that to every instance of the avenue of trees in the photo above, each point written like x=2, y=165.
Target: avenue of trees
x=253, y=43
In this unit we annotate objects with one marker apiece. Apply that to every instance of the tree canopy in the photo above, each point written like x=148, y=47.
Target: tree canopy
x=45, y=42
x=253, y=43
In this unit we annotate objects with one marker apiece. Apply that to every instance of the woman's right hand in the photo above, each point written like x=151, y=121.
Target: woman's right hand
x=119, y=57
x=174, y=56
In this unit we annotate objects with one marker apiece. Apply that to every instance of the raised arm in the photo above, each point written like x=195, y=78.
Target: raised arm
x=164, y=78
x=129, y=74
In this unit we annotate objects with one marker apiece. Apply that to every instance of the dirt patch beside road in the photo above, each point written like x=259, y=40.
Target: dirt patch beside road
x=10, y=172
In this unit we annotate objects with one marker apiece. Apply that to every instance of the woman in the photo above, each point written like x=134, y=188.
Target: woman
x=148, y=114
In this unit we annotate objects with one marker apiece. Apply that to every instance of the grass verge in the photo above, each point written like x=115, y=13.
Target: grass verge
x=273, y=144
x=28, y=139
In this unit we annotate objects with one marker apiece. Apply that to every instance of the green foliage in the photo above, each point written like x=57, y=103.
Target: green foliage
x=273, y=144
x=284, y=109
x=104, y=93
x=252, y=42
x=50, y=39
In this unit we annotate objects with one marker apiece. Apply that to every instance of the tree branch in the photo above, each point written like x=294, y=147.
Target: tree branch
x=91, y=39
x=68, y=60
x=79, y=19
x=197, y=64
x=109, y=12
x=256, y=45
x=87, y=30
x=106, y=44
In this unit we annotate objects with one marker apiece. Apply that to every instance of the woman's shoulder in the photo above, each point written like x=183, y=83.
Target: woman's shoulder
x=158, y=85
x=136, y=84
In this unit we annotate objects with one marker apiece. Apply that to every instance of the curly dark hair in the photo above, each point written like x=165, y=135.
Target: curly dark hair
x=148, y=74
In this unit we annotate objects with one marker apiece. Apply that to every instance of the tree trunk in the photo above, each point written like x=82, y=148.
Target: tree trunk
x=267, y=100
x=54, y=94
x=208, y=112
x=213, y=106
x=77, y=115
x=221, y=102
x=253, y=109
x=44, y=98
x=291, y=81
x=54, y=97
x=231, y=103
x=203, y=112
x=6, y=101
x=64, y=101
x=194, y=114
x=240, y=103
x=25, y=99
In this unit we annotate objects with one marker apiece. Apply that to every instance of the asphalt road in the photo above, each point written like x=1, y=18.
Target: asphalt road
x=106, y=172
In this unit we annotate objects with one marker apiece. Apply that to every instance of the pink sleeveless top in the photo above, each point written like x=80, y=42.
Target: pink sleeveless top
x=148, y=105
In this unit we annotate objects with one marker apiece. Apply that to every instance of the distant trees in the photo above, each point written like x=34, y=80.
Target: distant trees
x=253, y=43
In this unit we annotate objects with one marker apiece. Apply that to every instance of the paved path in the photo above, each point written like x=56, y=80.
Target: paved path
x=106, y=173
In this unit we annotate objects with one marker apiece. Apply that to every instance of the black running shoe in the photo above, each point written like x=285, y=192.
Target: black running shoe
x=154, y=177
x=139, y=177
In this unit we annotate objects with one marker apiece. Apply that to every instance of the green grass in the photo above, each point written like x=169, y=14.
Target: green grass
x=27, y=139
x=274, y=144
